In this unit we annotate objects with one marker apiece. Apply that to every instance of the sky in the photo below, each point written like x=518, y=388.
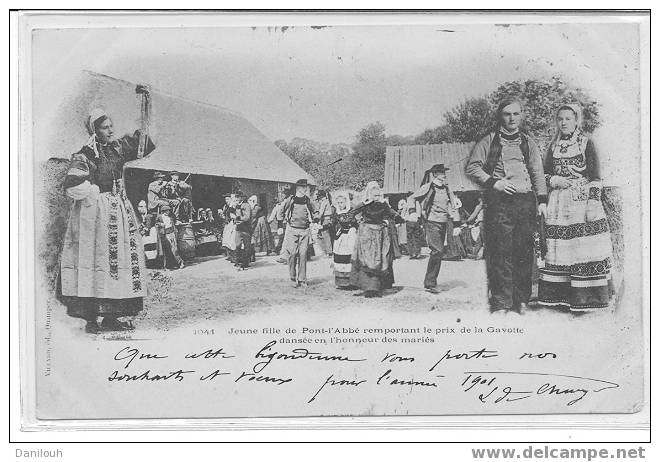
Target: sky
x=327, y=83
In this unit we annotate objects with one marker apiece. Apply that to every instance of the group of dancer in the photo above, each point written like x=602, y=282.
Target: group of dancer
x=244, y=229
x=364, y=236
x=103, y=276
x=521, y=187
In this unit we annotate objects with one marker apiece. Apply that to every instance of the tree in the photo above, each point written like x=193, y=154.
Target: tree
x=467, y=120
x=437, y=135
x=542, y=98
x=368, y=160
x=398, y=140
x=370, y=143
x=472, y=118
x=329, y=164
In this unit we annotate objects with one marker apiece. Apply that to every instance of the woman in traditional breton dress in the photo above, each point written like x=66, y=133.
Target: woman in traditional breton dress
x=229, y=230
x=402, y=210
x=394, y=236
x=373, y=256
x=345, y=227
x=262, y=239
x=414, y=231
x=102, y=268
x=324, y=237
x=579, y=258
x=471, y=234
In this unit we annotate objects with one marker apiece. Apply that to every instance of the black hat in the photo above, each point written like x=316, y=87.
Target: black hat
x=165, y=208
x=302, y=182
x=438, y=168
x=174, y=172
x=158, y=175
x=226, y=195
x=240, y=193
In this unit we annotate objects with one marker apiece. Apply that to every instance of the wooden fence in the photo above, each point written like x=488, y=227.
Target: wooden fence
x=405, y=166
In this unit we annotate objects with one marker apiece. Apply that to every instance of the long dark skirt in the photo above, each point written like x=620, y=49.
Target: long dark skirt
x=454, y=249
x=415, y=238
x=394, y=239
x=244, y=249
x=262, y=239
x=473, y=247
x=89, y=308
x=371, y=263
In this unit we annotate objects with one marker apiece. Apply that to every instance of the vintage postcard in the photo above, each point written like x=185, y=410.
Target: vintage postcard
x=380, y=215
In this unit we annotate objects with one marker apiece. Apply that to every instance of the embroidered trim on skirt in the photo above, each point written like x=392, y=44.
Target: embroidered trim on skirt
x=103, y=259
x=577, y=272
x=342, y=252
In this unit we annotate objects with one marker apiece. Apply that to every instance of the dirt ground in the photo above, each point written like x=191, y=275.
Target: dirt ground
x=210, y=288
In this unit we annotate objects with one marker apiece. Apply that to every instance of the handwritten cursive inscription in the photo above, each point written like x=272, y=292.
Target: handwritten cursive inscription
x=394, y=358
x=148, y=376
x=129, y=354
x=217, y=353
x=474, y=354
x=490, y=388
x=254, y=377
x=387, y=379
x=498, y=386
x=268, y=355
x=333, y=383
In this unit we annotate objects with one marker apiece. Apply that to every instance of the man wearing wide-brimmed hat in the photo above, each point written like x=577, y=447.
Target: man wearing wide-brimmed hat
x=298, y=215
x=437, y=206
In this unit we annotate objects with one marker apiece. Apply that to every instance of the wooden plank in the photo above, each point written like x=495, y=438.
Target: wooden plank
x=405, y=165
x=389, y=165
x=398, y=166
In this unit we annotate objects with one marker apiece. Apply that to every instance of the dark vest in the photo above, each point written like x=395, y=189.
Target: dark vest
x=288, y=207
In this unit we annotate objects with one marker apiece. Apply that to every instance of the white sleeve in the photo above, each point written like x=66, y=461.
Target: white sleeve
x=84, y=190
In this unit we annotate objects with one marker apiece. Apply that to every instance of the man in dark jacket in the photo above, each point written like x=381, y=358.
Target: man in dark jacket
x=298, y=214
x=508, y=164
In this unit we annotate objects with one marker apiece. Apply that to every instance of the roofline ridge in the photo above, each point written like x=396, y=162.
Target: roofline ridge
x=165, y=93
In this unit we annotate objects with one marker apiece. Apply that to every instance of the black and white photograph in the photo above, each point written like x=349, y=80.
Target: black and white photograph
x=431, y=216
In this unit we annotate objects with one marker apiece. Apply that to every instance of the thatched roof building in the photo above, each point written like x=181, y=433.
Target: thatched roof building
x=221, y=150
